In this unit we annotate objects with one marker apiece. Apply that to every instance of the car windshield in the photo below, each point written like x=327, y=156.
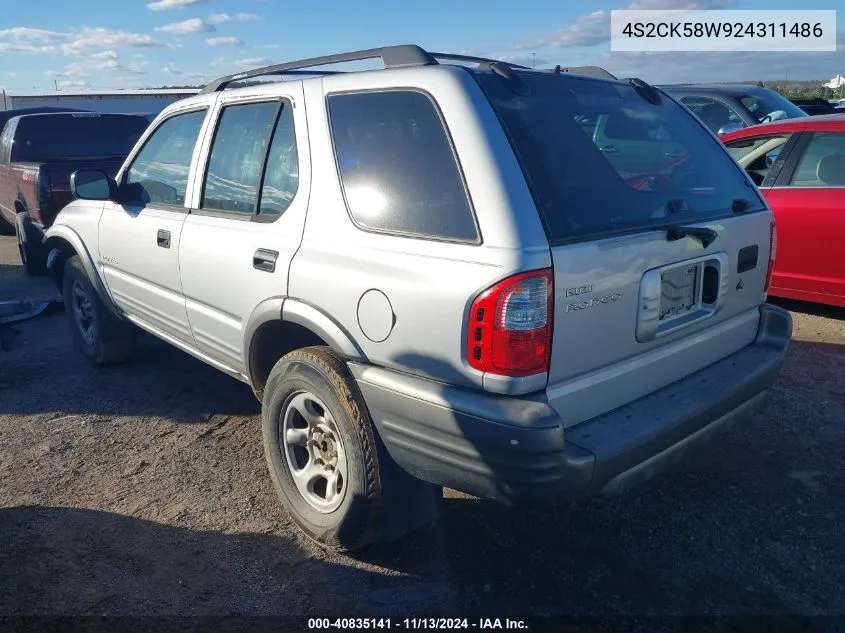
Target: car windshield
x=601, y=159
x=770, y=106
x=42, y=138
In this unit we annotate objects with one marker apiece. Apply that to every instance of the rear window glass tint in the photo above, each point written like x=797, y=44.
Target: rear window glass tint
x=600, y=159
x=397, y=166
x=41, y=138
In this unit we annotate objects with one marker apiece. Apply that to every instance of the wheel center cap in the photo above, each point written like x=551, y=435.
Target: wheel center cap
x=323, y=447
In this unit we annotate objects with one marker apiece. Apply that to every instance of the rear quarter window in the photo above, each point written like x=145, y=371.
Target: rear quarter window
x=397, y=167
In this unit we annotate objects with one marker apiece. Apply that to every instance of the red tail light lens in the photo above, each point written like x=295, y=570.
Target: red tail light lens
x=510, y=326
x=773, y=251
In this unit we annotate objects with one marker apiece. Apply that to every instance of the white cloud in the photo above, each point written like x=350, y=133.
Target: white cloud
x=73, y=84
x=104, y=55
x=222, y=18
x=269, y=46
x=193, y=25
x=12, y=74
x=10, y=47
x=18, y=33
x=164, y=5
x=253, y=62
x=175, y=72
x=224, y=41
x=104, y=38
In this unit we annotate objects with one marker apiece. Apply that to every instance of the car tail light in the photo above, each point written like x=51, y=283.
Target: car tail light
x=773, y=251
x=510, y=326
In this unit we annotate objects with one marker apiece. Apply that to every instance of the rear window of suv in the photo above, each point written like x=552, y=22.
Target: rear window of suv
x=600, y=159
x=397, y=166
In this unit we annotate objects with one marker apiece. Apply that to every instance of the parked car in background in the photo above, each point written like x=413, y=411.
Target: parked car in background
x=815, y=107
x=38, y=153
x=799, y=166
x=527, y=286
x=728, y=107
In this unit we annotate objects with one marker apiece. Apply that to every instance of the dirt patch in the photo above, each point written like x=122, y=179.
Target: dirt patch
x=142, y=489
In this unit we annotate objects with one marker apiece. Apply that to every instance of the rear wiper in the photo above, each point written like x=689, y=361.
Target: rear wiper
x=675, y=232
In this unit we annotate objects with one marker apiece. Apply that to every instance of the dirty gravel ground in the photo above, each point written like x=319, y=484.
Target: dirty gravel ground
x=141, y=489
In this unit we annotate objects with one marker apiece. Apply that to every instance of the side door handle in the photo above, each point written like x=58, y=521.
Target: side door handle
x=265, y=260
x=163, y=238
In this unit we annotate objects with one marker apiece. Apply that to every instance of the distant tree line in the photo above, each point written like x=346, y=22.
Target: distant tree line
x=806, y=90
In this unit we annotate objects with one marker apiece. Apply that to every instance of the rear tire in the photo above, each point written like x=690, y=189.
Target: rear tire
x=379, y=501
x=310, y=393
x=100, y=336
x=32, y=251
x=6, y=228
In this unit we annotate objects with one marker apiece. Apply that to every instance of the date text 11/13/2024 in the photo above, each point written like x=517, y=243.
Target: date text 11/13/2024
x=415, y=624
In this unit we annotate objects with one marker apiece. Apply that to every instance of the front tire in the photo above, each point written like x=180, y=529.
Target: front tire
x=100, y=336
x=321, y=449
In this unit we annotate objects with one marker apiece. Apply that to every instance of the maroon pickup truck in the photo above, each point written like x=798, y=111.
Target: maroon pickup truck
x=39, y=152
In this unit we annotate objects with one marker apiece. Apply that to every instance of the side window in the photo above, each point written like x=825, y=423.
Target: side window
x=237, y=156
x=159, y=172
x=714, y=114
x=823, y=162
x=757, y=154
x=281, y=176
x=397, y=167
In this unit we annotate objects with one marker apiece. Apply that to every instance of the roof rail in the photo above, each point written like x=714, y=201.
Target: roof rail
x=392, y=57
x=592, y=71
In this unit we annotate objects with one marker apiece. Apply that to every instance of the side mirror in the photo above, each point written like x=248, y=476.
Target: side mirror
x=730, y=127
x=92, y=184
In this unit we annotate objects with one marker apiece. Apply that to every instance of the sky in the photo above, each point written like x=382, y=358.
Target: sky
x=61, y=44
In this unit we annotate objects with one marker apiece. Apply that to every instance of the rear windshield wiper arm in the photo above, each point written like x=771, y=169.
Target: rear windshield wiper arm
x=676, y=232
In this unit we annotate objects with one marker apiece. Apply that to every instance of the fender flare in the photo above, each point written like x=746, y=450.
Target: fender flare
x=59, y=233
x=306, y=315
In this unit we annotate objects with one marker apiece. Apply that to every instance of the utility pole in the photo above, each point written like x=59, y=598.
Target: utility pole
x=56, y=83
x=533, y=60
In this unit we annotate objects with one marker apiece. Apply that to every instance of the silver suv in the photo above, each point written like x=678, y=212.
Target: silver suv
x=524, y=285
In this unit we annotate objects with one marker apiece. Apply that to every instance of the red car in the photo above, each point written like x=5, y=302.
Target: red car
x=799, y=166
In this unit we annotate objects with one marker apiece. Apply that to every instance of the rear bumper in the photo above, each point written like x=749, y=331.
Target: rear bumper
x=515, y=450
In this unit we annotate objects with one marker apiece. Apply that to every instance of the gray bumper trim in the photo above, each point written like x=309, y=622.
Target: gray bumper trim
x=515, y=450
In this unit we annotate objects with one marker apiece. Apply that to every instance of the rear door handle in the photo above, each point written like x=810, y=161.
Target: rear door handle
x=163, y=238
x=265, y=260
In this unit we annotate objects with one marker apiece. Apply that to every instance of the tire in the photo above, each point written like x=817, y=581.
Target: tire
x=6, y=228
x=32, y=251
x=100, y=336
x=316, y=373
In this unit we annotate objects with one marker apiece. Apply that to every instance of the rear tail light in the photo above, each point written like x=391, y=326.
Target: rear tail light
x=510, y=326
x=773, y=251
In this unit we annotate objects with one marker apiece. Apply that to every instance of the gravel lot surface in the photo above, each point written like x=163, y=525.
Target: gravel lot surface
x=142, y=489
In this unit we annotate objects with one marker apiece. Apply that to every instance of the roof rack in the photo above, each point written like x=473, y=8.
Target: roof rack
x=592, y=71
x=392, y=57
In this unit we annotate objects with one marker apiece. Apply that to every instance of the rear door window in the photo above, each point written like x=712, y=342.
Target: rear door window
x=713, y=113
x=397, y=166
x=823, y=162
x=237, y=156
x=661, y=166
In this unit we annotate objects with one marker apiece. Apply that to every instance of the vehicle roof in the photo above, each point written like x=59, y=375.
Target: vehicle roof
x=76, y=114
x=822, y=122
x=731, y=89
x=406, y=74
